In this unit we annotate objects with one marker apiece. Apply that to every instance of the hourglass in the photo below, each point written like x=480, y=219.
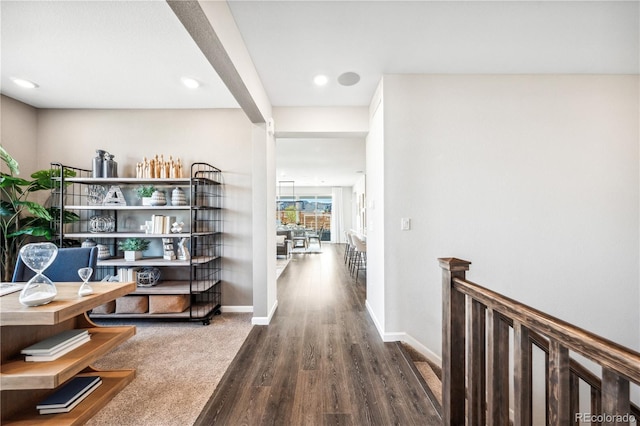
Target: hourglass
x=39, y=290
x=85, y=289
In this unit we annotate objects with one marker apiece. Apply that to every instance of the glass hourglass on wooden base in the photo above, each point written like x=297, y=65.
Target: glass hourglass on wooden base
x=39, y=290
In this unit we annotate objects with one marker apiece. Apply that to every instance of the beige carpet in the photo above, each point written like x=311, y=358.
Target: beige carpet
x=430, y=372
x=178, y=366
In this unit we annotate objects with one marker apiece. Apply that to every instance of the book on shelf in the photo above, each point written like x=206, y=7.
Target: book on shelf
x=128, y=274
x=69, y=395
x=56, y=343
x=58, y=353
x=161, y=224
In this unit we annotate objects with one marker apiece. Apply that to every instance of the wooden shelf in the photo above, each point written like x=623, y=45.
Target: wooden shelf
x=142, y=181
x=19, y=374
x=200, y=312
x=138, y=207
x=156, y=261
x=121, y=207
x=74, y=235
x=112, y=383
x=176, y=287
x=24, y=384
x=175, y=315
x=66, y=305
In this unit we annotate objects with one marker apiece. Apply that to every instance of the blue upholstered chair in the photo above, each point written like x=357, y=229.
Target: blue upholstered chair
x=64, y=267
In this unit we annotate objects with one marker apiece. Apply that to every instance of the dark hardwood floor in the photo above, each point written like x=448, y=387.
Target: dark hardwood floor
x=321, y=360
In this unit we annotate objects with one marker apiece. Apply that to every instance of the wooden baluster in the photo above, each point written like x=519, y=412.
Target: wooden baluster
x=615, y=397
x=476, y=363
x=453, y=343
x=596, y=403
x=574, y=398
x=558, y=385
x=498, y=371
x=546, y=387
x=522, y=375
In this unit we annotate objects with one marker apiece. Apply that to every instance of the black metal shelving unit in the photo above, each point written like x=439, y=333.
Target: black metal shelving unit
x=199, y=277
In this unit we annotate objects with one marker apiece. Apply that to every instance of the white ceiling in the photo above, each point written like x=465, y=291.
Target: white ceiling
x=131, y=54
x=104, y=54
x=291, y=41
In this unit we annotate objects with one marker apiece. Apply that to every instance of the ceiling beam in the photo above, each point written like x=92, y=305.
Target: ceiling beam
x=197, y=24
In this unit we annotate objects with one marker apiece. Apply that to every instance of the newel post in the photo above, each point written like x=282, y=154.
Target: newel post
x=453, y=342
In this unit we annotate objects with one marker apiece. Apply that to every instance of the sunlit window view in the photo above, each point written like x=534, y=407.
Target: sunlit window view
x=310, y=212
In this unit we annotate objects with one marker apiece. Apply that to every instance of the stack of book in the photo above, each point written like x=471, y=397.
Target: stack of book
x=127, y=274
x=54, y=347
x=68, y=396
x=161, y=224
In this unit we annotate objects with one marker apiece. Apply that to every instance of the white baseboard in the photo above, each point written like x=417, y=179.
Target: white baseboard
x=236, y=309
x=403, y=337
x=428, y=353
x=265, y=320
x=375, y=319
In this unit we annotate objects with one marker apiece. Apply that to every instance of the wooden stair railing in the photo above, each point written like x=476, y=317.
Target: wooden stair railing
x=475, y=361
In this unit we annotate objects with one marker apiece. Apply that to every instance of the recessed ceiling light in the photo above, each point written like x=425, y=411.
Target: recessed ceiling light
x=191, y=83
x=348, y=78
x=24, y=83
x=320, y=80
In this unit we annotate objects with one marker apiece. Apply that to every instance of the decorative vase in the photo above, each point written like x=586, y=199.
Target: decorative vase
x=102, y=224
x=147, y=201
x=39, y=290
x=178, y=198
x=158, y=198
x=89, y=243
x=103, y=252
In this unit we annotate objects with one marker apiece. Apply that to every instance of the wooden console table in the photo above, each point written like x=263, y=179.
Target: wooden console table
x=24, y=384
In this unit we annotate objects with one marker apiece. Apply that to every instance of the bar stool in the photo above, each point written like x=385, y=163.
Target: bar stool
x=347, y=246
x=360, y=257
x=350, y=252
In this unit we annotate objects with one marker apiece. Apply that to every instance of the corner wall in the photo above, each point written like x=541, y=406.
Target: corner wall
x=532, y=178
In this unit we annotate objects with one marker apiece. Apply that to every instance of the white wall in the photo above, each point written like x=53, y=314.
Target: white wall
x=359, y=192
x=321, y=121
x=220, y=137
x=18, y=124
x=532, y=178
x=375, y=199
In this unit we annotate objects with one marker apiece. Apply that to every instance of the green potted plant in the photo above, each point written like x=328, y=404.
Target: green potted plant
x=145, y=192
x=22, y=220
x=133, y=248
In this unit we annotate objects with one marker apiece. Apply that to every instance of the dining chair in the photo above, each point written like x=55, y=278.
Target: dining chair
x=64, y=267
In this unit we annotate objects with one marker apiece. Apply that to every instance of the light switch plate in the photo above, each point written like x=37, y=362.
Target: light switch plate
x=405, y=224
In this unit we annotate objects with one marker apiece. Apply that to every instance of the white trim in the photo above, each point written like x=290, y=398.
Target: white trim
x=237, y=309
x=428, y=353
x=375, y=320
x=265, y=320
x=403, y=337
